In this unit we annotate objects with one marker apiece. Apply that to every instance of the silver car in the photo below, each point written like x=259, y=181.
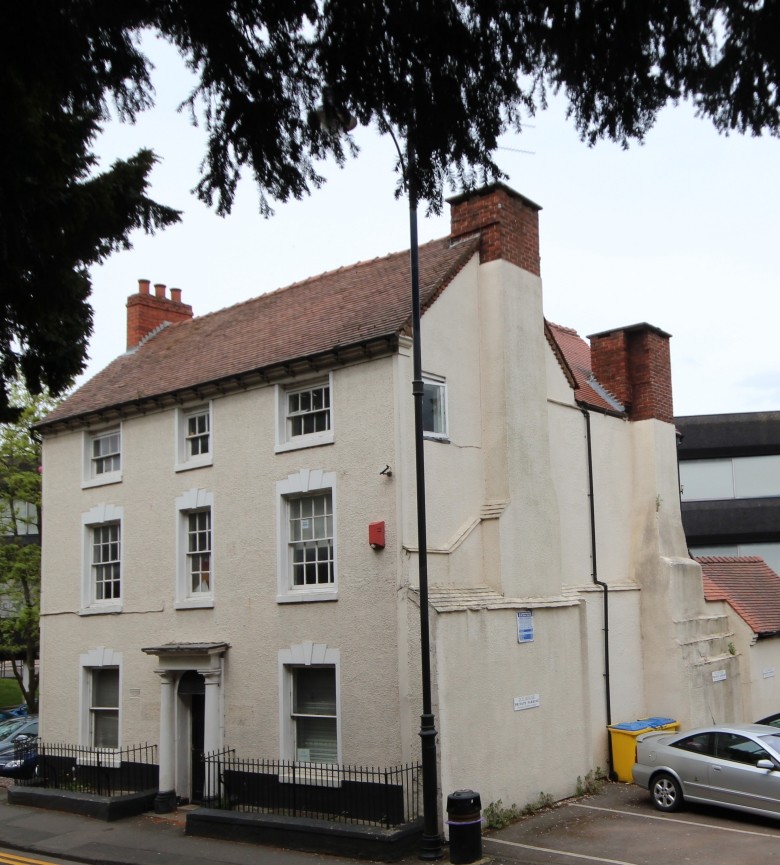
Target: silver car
x=735, y=765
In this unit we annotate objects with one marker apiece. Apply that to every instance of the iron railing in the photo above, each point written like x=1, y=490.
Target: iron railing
x=103, y=771
x=348, y=794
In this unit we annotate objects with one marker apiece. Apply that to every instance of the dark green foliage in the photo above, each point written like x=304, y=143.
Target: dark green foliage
x=20, y=538
x=448, y=76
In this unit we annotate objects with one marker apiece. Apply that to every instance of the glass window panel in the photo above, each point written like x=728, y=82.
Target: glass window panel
x=199, y=550
x=706, y=479
x=316, y=740
x=315, y=691
x=433, y=408
x=105, y=687
x=309, y=411
x=105, y=733
x=105, y=453
x=756, y=477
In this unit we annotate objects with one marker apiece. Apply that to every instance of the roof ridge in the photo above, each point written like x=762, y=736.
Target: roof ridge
x=345, y=268
x=563, y=327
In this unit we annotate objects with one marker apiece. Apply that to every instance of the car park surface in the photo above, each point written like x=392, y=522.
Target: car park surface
x=620, y=826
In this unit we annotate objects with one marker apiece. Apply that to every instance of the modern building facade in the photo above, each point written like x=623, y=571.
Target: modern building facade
x=230, y=548
x=730, y=484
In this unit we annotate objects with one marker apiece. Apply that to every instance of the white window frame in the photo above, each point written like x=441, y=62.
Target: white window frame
x=285, y=441
x=306, y=654
x=96, y=659
x=303, y=483
x=98, y=517
x=193, y=501
x=90, y=478
x=441, y=383
x=184, y=459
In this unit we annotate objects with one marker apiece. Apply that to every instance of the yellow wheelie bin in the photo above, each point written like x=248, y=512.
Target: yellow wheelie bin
x=623, y=737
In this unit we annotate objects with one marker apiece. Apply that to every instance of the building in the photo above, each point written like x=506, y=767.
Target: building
x=730, y=484
x=230, y=552
x=748, y=591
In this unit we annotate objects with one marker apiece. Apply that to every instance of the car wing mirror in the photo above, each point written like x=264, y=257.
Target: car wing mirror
x=766, y=764
x=22, y=737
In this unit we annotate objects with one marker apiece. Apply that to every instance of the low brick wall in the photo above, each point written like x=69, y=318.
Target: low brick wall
x=300, y=833
x=89, y=804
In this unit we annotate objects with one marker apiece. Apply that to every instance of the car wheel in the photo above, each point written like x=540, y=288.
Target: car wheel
x=666, y=792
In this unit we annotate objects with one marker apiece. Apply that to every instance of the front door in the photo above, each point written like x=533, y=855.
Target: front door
x=192, y=701
x=197, y=774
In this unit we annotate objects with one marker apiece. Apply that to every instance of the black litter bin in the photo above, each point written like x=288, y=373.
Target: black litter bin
x=465, y=821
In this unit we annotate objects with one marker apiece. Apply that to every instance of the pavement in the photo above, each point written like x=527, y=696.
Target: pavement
x=148, y=839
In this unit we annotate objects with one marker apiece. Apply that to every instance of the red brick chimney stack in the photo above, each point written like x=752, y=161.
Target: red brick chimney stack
x=146, y=311
x=508, y=225
x=634, y=364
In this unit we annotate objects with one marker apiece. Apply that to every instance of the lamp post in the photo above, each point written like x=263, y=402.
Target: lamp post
x=334, y=121
x=431, y=847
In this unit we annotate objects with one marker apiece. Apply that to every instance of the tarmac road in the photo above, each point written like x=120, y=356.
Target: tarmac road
x=618, y=826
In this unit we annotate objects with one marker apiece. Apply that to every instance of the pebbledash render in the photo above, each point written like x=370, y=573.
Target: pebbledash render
x=211, y=566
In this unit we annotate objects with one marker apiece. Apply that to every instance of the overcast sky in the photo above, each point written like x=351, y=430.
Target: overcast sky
x=680, y=232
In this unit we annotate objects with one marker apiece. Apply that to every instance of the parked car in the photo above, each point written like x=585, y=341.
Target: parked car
x=16, y=760
x=735, y=766
x=771, y=720
x=13, y=712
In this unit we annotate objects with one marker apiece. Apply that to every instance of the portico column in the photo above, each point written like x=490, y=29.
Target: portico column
x=165, y=800
x=211, y=736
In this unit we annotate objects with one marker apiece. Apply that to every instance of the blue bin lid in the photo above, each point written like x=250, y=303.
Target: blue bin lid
x=631, y=726
x=656, y=722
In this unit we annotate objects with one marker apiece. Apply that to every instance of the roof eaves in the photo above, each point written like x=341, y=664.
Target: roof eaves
x=376, y=346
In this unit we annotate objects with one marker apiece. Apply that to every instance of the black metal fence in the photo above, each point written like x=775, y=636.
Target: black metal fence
x=105, y=772
x=348, y=794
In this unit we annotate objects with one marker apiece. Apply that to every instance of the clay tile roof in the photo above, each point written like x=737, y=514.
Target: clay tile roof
x=348, y=306
x=748, y=585
x=575, y=353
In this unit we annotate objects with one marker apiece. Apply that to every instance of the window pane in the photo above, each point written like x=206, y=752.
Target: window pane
x=756, y=477
x=197, y=437
x=433, y=408
x=314, y=713
x=105, y=687
x=706, y=479
x=308, y=411
x=106, y=561
x=199, y=550
x=104, y=711
x=316, y=740
x=315, y=691
x=105, y=729
x=105, y=453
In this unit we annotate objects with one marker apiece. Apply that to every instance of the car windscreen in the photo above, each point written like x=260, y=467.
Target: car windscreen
x=772, y=741
x=8, y=728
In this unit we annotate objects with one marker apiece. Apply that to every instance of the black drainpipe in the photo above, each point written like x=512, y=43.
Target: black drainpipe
x=603, y=585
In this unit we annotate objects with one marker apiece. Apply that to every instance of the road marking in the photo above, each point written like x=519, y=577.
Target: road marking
x=559, y=852
x=676, y=820
x=10, y=859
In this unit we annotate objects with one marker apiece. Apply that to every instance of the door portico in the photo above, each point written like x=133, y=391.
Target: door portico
x=187, y=665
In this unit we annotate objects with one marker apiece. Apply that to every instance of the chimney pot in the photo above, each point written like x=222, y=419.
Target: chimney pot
x=146, y=312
